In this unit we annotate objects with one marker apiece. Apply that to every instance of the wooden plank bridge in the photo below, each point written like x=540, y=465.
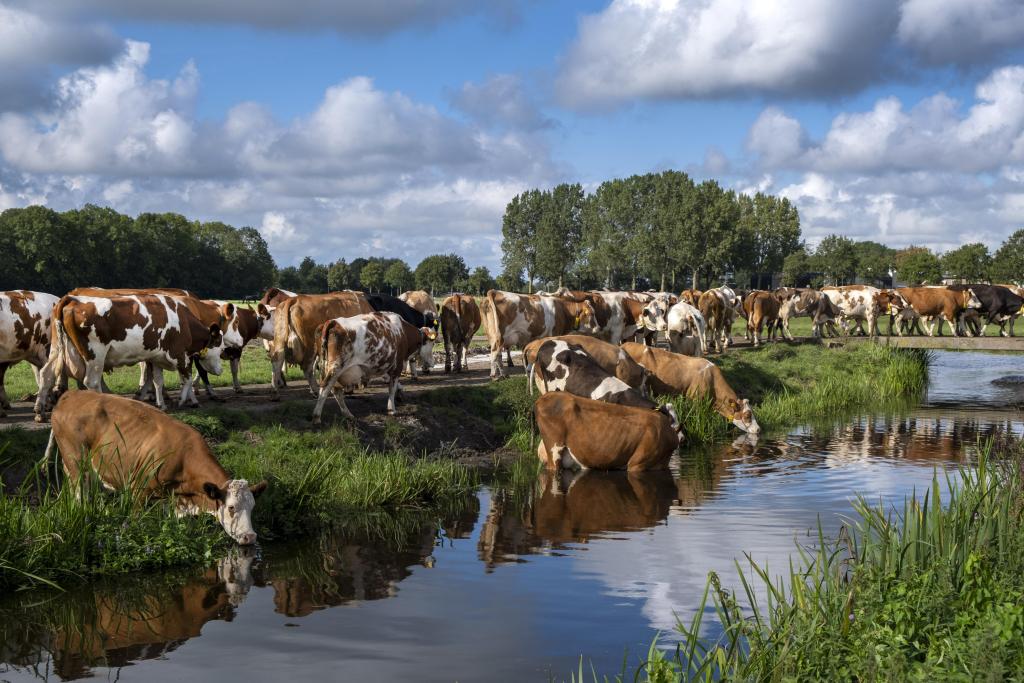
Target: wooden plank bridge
x=945, y=343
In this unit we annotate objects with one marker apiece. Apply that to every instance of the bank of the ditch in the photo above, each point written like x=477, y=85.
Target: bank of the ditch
x=925, y=593
x=435, y=451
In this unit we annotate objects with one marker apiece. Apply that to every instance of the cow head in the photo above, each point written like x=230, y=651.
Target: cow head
x=265, y=320
x=971, y=299
x=428, y=335
x=670, y=412
x=235, y=572
x=586, y=320
x=743, y=415
x=209, y=357
x=233, y=504
x=655, y=315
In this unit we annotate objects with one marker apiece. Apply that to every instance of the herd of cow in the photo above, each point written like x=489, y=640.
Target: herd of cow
x=590, y=353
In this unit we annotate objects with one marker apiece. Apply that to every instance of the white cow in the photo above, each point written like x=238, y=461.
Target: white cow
x=24, y=333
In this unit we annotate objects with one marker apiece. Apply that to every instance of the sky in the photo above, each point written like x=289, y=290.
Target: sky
x=342, y=128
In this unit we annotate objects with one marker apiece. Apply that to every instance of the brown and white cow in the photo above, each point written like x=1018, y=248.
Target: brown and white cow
x=460, y=319
x=762, y=309
x=92, y=335
x=296, y=321
x=131, y=445
x=715, y=312
x=24, y=333
x=801, y=302
x=578, y=432
x=244, y=325
x=696, y=378
x=612, y=358
x=690, y=296
x=517, y=319
x=857, y=303
x=421, y=301
x=275, y=296
x=354, y=349
x=939, y=303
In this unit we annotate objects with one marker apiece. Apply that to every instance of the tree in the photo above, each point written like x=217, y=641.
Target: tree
x=480, y=281
x=611, y=219
x=339, y=276
x=371, y=277
x=519, y=233
x=836, y=257
x=968, y=263
x=795, y=267
x=509, y=282
x=708, y=237
x=558, y=232
x=1008, y=263
x=770, y=230
x=874, y=261
x=440, y=272
x=399, y=276
x=918, y=266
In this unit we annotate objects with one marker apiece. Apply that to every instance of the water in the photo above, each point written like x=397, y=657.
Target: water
x=514, y=588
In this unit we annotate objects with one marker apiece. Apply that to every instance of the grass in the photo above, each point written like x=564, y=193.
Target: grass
x=928, y=592
x=318, y=480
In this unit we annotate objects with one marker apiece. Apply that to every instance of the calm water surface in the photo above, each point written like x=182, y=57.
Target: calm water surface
x=515, y=587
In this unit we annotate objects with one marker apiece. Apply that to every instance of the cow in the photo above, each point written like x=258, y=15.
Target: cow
x=354, y=349
x=684, y=323
x=762, y=309
x=295, y=331
x=127, y=444
x=998, y=304
x=243, y=326
x=695, y=378
x=424, y=303
x=800, y=302
x=460, y=319
x=517, y=319
x=25, y=319
x=612, y=359
x=713, y=309
x=690, y=296
x=383, y=303
x=940, y=303
x=92, y=335
x=617, y=314
x=856, y=302
x=561, y=366
x=276, y=296
x=577, y=432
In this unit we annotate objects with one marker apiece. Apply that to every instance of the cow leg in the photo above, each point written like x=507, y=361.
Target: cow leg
x=448, y=355
x=496, y=370
x=277, y=375
x=235, y=367
x=393, y=390
x=4, y=403
x=508, y=356
x=188, y=391
x=307, y=370
x=325, y=391
x=204, y=377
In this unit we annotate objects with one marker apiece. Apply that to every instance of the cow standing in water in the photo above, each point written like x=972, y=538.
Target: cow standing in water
x=127, y=443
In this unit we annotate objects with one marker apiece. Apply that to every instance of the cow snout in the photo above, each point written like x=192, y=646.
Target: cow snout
x=247, y=538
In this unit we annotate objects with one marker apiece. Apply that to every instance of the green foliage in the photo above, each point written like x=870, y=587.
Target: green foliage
x=339, y=276
x=918, y=266
x=439, y=273
x=836, y=257
x=969, y=263
x=769, y=229
x=874, y=261
x=399, y=277
x=152, y=250
x=1008, y=263
x=479, y=281
x=519, y=228
x=558, y=232
x=794, y=267
x=372, y=276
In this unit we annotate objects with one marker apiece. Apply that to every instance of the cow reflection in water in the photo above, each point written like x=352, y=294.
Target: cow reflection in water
x=121, y=630
x=573, y=507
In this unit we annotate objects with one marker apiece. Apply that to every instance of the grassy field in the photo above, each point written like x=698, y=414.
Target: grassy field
x=926, y=593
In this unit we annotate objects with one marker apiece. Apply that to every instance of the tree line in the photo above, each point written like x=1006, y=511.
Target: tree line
x=660, y=230
x=46, y=250
x=840, y=260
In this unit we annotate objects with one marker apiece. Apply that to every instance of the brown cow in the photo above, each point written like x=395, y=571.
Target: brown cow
x=713, y=309
x=421, y=301
x=92, y=335
x=25, y=323
x=580, y=432
x=295, y=331
x=695, y=378
x=132, y=445
x=517, y=319
x=941, y=303
x=354, y=349
x=276, y=296
x=610, y=357
x=762, y=308
x=690, y=296
x=460, y=319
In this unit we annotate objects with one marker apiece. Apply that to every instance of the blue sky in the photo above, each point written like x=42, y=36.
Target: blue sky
x=402, y=128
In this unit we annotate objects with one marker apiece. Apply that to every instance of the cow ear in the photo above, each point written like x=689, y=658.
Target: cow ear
x=258, y=488
x=227, y=310
x=215, y=334
x=263, y=311
x=213, y=492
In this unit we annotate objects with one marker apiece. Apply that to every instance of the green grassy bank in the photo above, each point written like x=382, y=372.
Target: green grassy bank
x=320, y=478
x=925, y=593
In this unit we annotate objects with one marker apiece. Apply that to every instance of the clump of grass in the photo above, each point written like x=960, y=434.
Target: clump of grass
x=929, y=592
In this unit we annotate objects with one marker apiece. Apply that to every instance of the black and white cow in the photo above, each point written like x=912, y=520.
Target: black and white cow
x=999, y=305
x=561, y=366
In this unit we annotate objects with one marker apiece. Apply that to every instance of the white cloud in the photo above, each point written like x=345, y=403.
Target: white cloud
x=692, y=49
x=30, y=45
x=776, y=138
x=960, y=31
x=365, y=172
x=500, y=101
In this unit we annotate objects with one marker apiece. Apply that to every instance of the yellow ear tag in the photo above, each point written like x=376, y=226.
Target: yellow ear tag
x=577, y=323
x=202, y=354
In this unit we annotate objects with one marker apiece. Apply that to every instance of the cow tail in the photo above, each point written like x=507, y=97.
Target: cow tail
x=533, y=374
x=320, y=364
x=293, y=348
x=491, y=319
x=60, y=352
